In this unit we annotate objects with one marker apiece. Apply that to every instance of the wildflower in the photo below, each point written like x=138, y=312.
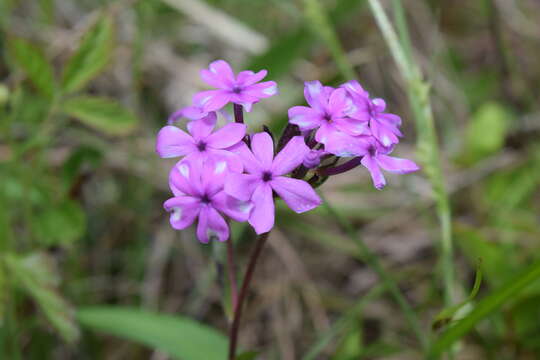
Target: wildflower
x=198, y=194
x=265, y=174
x=376, y=157
x=243, y=89
x=201, y=144
x=327, y=112
x=383, y=126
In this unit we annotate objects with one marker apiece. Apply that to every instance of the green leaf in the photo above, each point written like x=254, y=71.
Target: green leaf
x=249, y=355
x=3, y=293
x=180, y=337
x=91, y=57
x=60, y=224
x=103, y=114
x=35, y=274
x=485, y=307
x=33, y=63
x=486, y=132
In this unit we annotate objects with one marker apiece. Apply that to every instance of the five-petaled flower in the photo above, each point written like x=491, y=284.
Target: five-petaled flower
x=243, y=89
x=266, y=175
x=198, y=193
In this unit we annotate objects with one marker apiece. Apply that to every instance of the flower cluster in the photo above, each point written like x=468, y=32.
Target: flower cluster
x=228, y=174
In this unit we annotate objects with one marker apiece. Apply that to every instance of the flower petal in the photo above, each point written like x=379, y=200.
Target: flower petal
x=172, y=142
x=315, y=95
x=262, y=215
x=378, y=105
x=305, y=117
x=183, y=180
x=297, y=194
x=203, y=127
x=290, y=157
x=376, y=175
x=352, y=126
x=246, y=78
x=211, y=226
x=251, y=164
x=227, y=136
x=339, y=103
x=241, y=186
x=396, y=165
x=219, y=75
x=237, y=210
x=233, y=160
x=344, y=145
x=183, y=209
x=261, y=90
x=211, y=100
x=383, y=132
x=189, y=112
x=263, y=149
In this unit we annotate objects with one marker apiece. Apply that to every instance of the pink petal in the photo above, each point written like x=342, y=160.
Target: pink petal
x=352, y=126
x=290, y=157
x=237, y=210
x=339, y=103
x=297, y=194
x=183, y=180
x=262, y=215
x=261, y=90
x=305, y=117
x=172, y=142
x=384, y=134
x=355, y=88
x=344, y=145
x=391, y=119
x=315, y=95
x=211, y=226
x=227, y=136
x=376, y=175
x=241, y=186
x=378, y=105
x=250, y=163
x=211, y=100
x=396, y=165
x=263, y=149
x=203, y=127
x=213, y=174
x=219, y=75
x=233, y=160
x=190, y=112
x=246, y=78
x=325, y=131
x=183, y=209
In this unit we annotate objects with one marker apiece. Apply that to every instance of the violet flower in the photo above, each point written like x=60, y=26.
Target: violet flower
x=243, y=89
x=198, y=194
x=376, y=157
x=266, y=175
x=383, y=126
x=328, y=112
x=201, y=144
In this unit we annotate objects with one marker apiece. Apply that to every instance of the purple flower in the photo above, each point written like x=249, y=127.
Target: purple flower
x=383, y=126
x=201, y=144
x=266, y=175
x=328, y=112
x=376, y=157
x=198, y=193
x=313, y=158
x=243, y=89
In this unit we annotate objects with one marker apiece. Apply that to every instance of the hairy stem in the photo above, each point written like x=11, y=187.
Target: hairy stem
x=351, y=164
x=238, y=113
x=233, y=333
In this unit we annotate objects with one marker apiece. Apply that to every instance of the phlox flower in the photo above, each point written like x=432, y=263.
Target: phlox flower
x=201, y=143
x=198, y=194
x=265, y=175
x=243, y=89
x=327, y=112
x=383, y=126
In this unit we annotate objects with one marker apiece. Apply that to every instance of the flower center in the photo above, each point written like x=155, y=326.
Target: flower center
x=267, y=176
x=205, y=199
x=236, y=89
x=327, y=117
x=372, y=151
x=201, y=146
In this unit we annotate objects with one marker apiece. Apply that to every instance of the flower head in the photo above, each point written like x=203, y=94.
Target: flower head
x=201, y=143
x=266, y=175
x=244, y=89
x=198, y=194
x=327, y=112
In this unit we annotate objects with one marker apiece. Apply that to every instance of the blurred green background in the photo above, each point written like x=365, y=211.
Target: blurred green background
x=85, y=244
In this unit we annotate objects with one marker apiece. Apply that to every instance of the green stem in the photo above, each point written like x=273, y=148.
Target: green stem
x=320, y=23
x=387, y=280
x=428, y=148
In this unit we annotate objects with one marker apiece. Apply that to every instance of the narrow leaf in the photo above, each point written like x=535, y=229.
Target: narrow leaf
x=180, y=337
x=485, y=307
x=37, y=277
x=31, y=60
x=102, y=114
x=91, y=57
